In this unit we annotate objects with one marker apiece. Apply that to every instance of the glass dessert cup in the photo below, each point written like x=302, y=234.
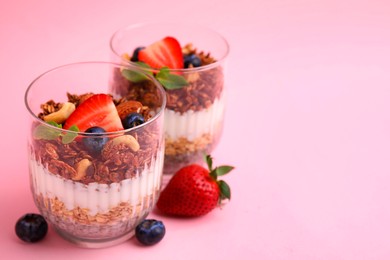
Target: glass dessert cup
x=194, y=114
x=94, y=198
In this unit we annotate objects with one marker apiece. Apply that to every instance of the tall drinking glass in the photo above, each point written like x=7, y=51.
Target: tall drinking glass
x=194, y=113
x=94, y=187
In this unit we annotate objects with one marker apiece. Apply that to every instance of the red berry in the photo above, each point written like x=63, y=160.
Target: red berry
x=97, y=110
x=194, y=191
x=164, y=53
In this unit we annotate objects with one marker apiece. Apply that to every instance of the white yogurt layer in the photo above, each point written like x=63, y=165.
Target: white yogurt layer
x=98, y=198
x=191, y=124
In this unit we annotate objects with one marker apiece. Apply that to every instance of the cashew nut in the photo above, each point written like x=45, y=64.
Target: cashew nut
x=61, y=115
x=128, y=140
x=81, y=169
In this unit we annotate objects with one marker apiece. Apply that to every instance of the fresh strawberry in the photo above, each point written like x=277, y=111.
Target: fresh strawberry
x=97, y=110
x=164, y=53
x=194, y=191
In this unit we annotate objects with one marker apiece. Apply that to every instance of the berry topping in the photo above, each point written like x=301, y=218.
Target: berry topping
x=194, y=191
x=31, y=227
x=150, y=232
x=95, y=143
x=97, y=110
x=193, y=60
x=133, y=120
x=164, y=53
x=134, y=58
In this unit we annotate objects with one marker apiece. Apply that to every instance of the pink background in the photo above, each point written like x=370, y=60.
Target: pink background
x=307, y=124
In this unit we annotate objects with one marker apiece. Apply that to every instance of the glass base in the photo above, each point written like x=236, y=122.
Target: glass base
x=94, y=243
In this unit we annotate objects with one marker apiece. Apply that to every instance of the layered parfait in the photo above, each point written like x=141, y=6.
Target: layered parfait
x=96, y=162
x=194, y=83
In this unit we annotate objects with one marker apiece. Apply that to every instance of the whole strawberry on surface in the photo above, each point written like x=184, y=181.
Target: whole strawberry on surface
x=194, y=190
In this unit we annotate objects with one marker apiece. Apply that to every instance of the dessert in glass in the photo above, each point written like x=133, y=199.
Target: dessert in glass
x=189, y=61
x=95, y=157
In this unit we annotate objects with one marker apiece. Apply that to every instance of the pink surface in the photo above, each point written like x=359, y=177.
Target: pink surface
x=307, y=125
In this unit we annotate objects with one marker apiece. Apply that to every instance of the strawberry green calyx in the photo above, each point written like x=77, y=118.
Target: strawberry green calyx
x=224, y=189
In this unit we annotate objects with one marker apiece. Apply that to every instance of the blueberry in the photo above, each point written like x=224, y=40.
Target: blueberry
x=135, y=53
x=193, y=60
x=31, y=227
x=95, y=143
x=132, y=120
x=150, y=232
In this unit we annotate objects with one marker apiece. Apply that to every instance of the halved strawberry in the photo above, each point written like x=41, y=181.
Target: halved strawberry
x=166, y=52
x=97, y=110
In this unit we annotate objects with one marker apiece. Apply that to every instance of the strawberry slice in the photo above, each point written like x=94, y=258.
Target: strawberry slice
x=166, y=52
x=97, y=110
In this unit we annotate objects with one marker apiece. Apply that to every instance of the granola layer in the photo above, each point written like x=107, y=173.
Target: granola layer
x=79, y=223
x=95, y=211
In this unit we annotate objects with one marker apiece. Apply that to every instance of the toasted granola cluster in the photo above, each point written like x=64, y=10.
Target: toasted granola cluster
x=204, y=86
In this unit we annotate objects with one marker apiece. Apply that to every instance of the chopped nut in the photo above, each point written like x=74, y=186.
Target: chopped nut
x=128, y=140
x=128, y=107
x=81, y=169
x=61, y=115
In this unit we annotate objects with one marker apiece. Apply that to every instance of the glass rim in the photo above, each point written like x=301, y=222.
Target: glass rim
x=113, y=64
x=184, y=70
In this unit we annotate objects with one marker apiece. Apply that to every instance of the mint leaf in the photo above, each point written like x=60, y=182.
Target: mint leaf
x=170, y=81
x=68, y=137
x=136, y=76
x=224, y=190
x=46, y=133
x=54, y=124
x=222, y=170
x=145, y=66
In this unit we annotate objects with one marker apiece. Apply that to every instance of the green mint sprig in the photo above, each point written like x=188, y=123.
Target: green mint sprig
x=135, y=76
x=164, y=76
x=169, y=80
x=48, y=133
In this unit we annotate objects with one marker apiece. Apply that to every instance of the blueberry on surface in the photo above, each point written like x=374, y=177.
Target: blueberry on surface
x=31, y=227
x=193, y=60
x=134, y=58
x=150, y=232
x=95, y=143
x=132, y=120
